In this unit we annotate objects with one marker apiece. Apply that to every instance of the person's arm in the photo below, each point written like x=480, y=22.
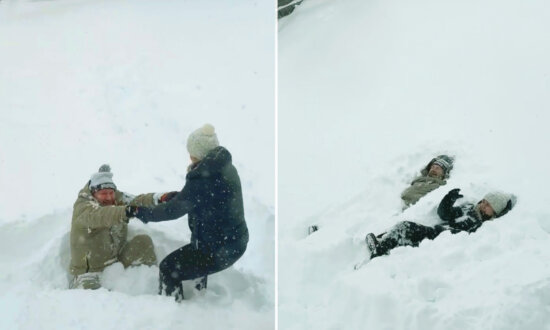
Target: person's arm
x=446, y=210
x=94, y=216
x=175, y=208
x=470, y=224
x=148, y=199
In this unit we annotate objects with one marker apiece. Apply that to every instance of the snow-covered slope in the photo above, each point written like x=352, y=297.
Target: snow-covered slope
x=369, y=92
x=124, y=82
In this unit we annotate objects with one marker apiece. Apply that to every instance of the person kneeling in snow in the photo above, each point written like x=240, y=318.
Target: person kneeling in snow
x=99, y=230
x=467, y=218
x=212, y=199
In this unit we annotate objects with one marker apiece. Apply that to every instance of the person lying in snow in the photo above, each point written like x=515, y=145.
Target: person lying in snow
x=431, y=177
x=212, y=199
x=466, y=217
x=99, y=230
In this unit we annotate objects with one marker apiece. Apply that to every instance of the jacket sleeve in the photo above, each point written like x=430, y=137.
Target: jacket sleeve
x=123, y=198
x=143, y=200
x=177, y=207
x=94, y=216
x=447, y=211
x=469, y=224
x=419, y=188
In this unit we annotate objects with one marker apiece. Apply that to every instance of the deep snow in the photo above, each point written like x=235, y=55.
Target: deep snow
x=369, y=92
x=124, y=82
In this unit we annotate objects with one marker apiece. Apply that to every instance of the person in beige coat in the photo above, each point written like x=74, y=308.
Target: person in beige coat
x=433, y=176
x=99, y=230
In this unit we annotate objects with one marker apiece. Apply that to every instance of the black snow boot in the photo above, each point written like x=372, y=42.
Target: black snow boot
x=200, y=283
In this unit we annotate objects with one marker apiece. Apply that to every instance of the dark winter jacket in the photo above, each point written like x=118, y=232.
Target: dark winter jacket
x=212, y=198
x=465, y=217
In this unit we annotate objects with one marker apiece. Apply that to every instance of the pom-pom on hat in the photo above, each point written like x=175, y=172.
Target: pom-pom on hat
x=103, y=179
x=500, y=202
x=201, y=141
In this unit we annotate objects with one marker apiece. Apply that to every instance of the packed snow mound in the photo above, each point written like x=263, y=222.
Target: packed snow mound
x=35, y=273
x=384, y=86
x=122, y=82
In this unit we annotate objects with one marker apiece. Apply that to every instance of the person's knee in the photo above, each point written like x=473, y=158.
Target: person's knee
x=401, y=227
x=139, y=250
x=143, y=241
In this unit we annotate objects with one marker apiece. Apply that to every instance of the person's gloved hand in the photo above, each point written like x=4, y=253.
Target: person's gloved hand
x=453, y=195
x=131, y=211
x=168, y=196
x=135, y=212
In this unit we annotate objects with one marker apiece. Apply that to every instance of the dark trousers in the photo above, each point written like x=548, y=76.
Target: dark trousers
x=406, y=233
x=187, y=263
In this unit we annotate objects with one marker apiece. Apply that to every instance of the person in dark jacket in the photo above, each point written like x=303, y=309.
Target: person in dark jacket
x=212, y=199
x=464, y=218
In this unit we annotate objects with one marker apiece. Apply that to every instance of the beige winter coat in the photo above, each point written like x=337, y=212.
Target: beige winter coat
x=420, y=186
x=98, y=233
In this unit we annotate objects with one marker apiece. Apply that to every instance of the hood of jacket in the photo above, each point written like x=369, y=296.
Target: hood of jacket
x=213, y=163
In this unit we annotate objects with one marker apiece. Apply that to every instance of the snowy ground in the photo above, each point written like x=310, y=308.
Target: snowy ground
x=124, y=82
x=369, y=92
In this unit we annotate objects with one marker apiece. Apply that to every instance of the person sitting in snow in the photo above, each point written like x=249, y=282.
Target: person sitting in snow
x=99, y=230
x=212, y=199
x=431, y=177
x=464, y=218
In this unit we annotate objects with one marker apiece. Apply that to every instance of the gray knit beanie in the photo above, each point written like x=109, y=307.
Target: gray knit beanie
x=500, y=202
x=445, y=162
x=103, y=179
x=201, y=141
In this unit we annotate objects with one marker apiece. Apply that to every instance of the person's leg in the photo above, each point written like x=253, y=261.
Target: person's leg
x=187, y=263
x=138, y=251
x=183, y=264
x=227, y=255
x=405, y=233
x=223, y=258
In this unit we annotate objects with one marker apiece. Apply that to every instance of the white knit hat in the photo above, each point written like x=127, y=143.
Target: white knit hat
x=201, y=141
x=499, y=201
x=103, y=179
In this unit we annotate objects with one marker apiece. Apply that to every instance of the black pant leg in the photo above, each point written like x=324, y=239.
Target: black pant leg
x=183, y=264
x=406, y=233
x=187, y=263
x=227, y=255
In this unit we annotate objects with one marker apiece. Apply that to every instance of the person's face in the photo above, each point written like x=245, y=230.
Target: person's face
x=105, y=197
x=194, y=160
x=486, y=210
x=436, y=171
